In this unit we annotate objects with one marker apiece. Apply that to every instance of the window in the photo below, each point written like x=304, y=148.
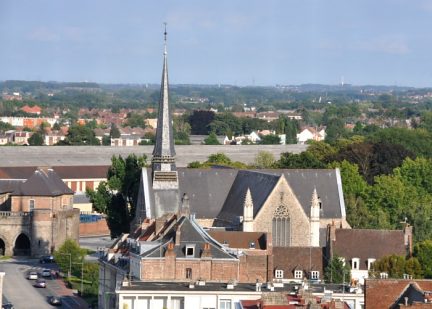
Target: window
x=314, y=275
x=281, y=232
x=177, y=302
x=225, y=304
x=355, y=263
x=190, y=249
x=298, y=274
x=31, y=205
x=279, y=274
x=370, y=263
x=188, y=273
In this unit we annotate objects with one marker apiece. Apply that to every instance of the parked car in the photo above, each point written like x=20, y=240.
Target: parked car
x=46, y=259
x=40, y=283
x=32, y=275
x=46, y=273
x=7, y=306
x=54, y=300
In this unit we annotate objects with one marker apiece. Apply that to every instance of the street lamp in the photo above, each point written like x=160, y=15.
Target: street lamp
x=70, y=263
x=82, y=276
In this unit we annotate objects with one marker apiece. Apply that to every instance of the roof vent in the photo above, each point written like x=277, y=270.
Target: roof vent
x=230, y=286
x=200, y=282
x=191, y=285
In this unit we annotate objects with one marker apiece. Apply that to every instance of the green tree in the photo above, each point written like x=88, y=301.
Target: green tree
x=67, y=255
x=36, y=139
x=302, y=160
x=118, y=196
x=423, y=253
x=336, y=271
x=135, y=120
x=200, y=120
x=114, y=132
x=264, y=159
x=270, y=139
x=80, y=135
x=211, y=139
x=335, y=130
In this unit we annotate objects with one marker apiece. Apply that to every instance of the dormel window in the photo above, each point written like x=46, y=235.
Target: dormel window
x=188, y=273
x=298, y=274
x=279, y=274
x=355, y=263
x=314, y=275
x=190, y=251
x=370, y=263
x=31, y=205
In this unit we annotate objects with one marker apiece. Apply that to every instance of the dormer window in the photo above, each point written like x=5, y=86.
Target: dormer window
x=314, y=275
x=370, y=262
x=298, y=274
x=190, y=251
x=279, y=274
x=355, y=263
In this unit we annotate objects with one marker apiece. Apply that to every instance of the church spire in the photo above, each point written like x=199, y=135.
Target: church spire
x=163, y=152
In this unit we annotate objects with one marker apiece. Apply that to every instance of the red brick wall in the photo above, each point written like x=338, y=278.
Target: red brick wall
x=94, y=228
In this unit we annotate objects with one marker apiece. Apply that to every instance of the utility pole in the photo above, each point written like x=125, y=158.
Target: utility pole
x=2, y=274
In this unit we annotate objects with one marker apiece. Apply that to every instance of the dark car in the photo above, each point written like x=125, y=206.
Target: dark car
x=40, y=283
x=46, y=259
x=55, y=301
x=7, y=306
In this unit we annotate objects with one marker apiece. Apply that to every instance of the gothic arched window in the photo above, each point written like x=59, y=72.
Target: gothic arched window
x=281, y=227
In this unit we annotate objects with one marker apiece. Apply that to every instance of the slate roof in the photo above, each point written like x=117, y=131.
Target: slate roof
x=384, y=293
x=240, y=240
x=43, y=182
x=64, y=172
x=364, y=244
x=302, y=181
x=190, y=234
x=8, y=186
x=290, y=259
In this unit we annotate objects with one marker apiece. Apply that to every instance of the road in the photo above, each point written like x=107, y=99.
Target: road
x=21, y=292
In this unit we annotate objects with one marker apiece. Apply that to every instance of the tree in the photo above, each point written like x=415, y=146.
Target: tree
x=321, y=150
x=396, y=266
x=118, y=196
x=211, y=139
x=114, y=132
x=36, y=139
x=80, y=135
x=200, y=120
x=68, y=254
x=337, y=271
x=264, y=159
x=270, y=139
x=335, y=130
x=135, y=120
x=302, y=160
x=423, y=253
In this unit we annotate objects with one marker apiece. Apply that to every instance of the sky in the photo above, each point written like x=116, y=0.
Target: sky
x=237, y=42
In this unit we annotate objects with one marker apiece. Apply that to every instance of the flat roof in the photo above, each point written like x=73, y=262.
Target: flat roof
x=101, y=155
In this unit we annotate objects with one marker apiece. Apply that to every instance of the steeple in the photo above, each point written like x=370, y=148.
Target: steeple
x=163, y=152
x=165, y=180
x=315, y=219
x=248, y=212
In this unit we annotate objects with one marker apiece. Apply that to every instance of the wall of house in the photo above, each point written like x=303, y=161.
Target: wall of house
x=170, y=268
x=11, y=226
x=21, y=203
x=283, y=195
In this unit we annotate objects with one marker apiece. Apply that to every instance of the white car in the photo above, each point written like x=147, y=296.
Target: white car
x=46, y=273
x=32, y=275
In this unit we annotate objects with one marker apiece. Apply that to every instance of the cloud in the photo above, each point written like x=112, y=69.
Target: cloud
x=45, y=34
x=385, y=45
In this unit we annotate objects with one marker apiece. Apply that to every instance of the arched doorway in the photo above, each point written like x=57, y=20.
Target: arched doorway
x=22, y=245
x=2, y=247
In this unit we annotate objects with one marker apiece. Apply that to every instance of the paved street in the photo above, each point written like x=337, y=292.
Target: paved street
x=21, y=292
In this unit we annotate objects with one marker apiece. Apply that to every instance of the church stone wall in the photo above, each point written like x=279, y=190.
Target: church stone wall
x=283, y=195
x=11, y=226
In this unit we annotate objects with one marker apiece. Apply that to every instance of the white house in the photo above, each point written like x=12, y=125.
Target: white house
x=310, y=133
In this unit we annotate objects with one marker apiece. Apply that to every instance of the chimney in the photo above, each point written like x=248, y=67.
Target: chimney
x=206, y=251
x=408, y=233
x=170, y=250
x=185, y=206
x=177, y=237
x=406, y=301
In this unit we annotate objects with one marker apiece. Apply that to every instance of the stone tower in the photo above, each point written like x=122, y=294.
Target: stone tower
x=315, y=219
x=164, y=172
x=248, y=213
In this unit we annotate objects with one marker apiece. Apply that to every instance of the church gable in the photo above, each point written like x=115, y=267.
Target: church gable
x=284, y=217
